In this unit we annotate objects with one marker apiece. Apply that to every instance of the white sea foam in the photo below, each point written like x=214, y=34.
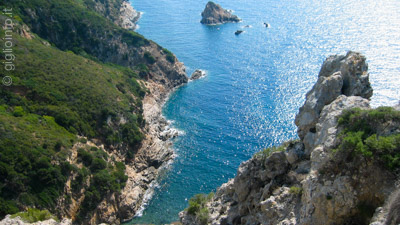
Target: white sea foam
x=148, y=195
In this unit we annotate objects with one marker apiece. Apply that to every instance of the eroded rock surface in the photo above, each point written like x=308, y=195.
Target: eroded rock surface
x=215, y=14
x=339, y=75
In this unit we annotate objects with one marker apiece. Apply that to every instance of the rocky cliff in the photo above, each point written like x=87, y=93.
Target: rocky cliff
x=335, y=174
x=215, y=14
x=119, y=11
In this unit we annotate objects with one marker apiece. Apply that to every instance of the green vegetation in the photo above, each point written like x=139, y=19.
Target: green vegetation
x=75, y=26
x=81, y=95
x=170, y=57
x=55, y=96
x=106, y=179
x=34, y=215
x=28, y=145
x=361, y=134
x=198, y=208
x=150, y=59
x=295, y=190
x=65, y=85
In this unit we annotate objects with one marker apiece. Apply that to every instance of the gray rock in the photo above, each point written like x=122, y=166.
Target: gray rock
x=128, y=17
x=339, y=75
x=215, y=14
x=197, y=74
x=238, y=32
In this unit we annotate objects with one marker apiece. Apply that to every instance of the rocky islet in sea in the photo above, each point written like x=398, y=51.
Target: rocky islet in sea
x=214, y=14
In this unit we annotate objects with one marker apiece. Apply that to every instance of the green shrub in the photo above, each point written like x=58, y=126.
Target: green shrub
x=198, y=208
x=18, y=111
x=7, y=207
x=150, y=59
x=98, y=164
x=85, y=156
x=142, y=68
x=34, y=215
x=360, y=135
x=170, y=57
x=295, y=190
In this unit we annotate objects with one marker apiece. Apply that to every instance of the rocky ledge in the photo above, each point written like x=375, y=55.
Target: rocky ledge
x=315, y=180
x=128, y=17
x=215, y=14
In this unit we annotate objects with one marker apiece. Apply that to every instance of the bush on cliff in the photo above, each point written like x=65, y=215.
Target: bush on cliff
x=367, y=132
x=34, y=215
x=198, y=208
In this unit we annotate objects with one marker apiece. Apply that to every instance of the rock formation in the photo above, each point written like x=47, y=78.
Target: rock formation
x=125, y=16
x=128, y=17
x=215, y=14
x=18, y=221
x=339, y=75
x=306, y=182
x=238, y=32
x=197, y=74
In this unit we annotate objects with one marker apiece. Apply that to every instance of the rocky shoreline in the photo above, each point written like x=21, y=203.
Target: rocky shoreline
x=154, y=156
x=128, y=16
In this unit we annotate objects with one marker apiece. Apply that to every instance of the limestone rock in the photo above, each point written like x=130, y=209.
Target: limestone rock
x=339, y=75
x=215, y=14
x=128, y=17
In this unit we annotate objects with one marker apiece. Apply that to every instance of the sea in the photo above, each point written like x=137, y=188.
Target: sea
x=255, y=82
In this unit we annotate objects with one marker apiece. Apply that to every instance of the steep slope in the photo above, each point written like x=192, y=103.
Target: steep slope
x=85, y=111
x=343, y=170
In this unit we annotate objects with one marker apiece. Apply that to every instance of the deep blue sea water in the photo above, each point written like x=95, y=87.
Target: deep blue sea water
x=256, y=81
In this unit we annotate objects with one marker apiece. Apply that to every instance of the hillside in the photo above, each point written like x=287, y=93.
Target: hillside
x=75, y=122
x=343, y=170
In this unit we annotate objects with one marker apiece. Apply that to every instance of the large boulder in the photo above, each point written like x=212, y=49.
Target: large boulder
x=215, y=14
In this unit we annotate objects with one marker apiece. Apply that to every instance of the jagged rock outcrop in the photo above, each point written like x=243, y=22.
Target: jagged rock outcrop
x=339, y=75
x=125, y=16
x=197, y=74
x=307, y=183
x=215, y=14
x=129, y=16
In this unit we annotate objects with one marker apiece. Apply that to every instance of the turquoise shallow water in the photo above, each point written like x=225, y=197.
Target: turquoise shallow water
x=255, y=81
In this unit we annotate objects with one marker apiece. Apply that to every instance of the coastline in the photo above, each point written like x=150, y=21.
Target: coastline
x=155, y=155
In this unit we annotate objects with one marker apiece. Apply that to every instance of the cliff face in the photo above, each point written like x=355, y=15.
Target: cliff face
x=325, y=177
x=215, y=14
x=119, y=11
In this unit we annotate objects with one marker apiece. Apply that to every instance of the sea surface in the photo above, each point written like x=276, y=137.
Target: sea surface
x=255, y=81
